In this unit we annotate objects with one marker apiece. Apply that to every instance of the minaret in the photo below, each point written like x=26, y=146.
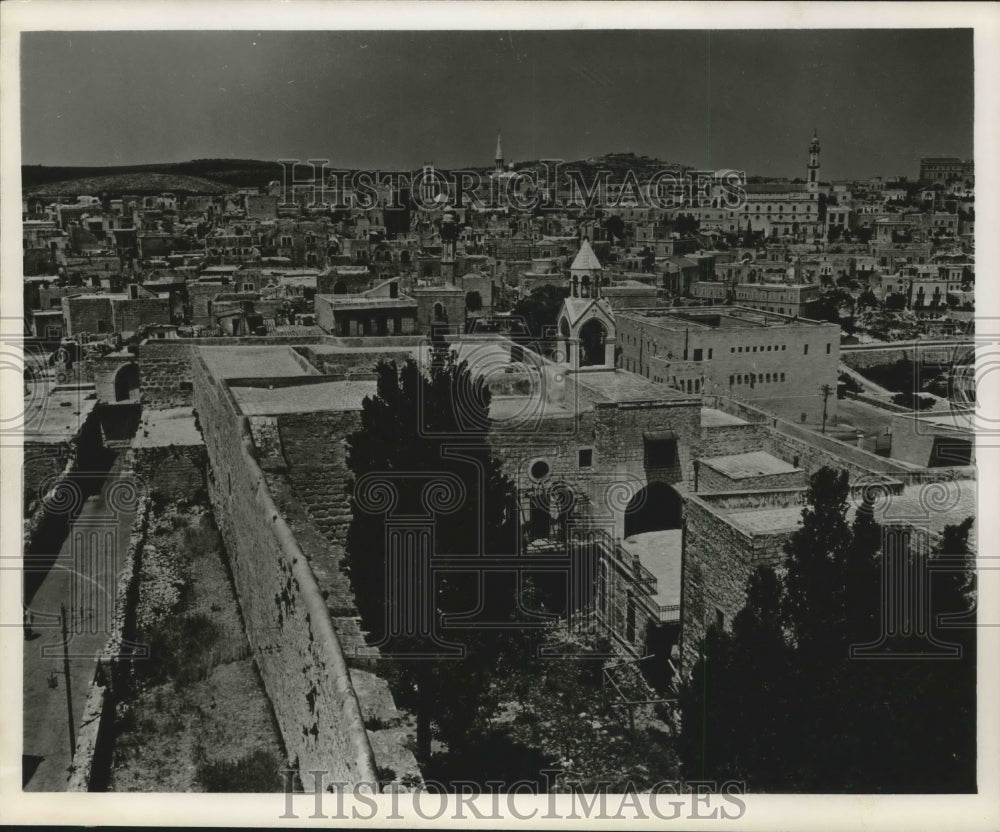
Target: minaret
x=813, y=167
x=498, y=164
x=449, y=234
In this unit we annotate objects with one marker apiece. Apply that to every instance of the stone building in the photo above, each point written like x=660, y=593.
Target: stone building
x=778, y=361
x=123, y=313
x=381, y=310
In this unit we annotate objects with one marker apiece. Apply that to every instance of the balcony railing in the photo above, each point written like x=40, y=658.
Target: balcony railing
x=670, y=613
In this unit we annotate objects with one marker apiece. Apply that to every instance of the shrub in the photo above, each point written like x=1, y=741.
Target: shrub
x=181, y=649
x=257, y=771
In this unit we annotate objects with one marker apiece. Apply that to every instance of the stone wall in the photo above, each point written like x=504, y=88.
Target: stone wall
x=287, y=620
x=95, y=734
x=709, y=479
x=316, y=455
x=164, y=374
x=200, y=296
x=88, y=314
x=807, y=449
x=133, y=313
x=719, y=559
x=176, y=472
x=732, y=439
x=947, y=352
x=613, y=433
x=340, y=363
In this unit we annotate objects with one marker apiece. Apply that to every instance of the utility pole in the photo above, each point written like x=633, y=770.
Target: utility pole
x=826, y=390
x=69, y=694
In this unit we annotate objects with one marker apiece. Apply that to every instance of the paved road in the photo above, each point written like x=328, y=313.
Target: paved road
x=84, y=579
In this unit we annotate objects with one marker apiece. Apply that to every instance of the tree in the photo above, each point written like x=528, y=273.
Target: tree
x=418, y=433
x=540, y=309
x=783, y=703
x=648, y=259
x=895, y=301
x=867, y=300
x=615, y=226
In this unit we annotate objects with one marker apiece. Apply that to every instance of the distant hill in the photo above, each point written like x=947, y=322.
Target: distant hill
x=128, y=183
x=218, y=175
x=197, y=176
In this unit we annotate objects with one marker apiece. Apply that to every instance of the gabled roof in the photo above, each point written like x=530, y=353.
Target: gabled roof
x=576, y=308
x=585, y=259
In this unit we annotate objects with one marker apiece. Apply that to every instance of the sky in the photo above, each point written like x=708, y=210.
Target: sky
x=747, y=100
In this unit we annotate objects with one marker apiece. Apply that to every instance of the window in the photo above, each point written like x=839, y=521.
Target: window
x=102, y=326
x=698, y=354
x=732, y=380
x=585, y=457
x=827, y=349
x=186, y=386
x=782, y=376
x=782, y=347
x=539, y=469
x=710, y=353
x=739, y=379
x=660, y=448
x=732, y=349
x=805, y=349
x=768, y=377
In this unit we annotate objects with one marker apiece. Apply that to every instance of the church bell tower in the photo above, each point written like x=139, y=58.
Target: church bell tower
x=813, y=167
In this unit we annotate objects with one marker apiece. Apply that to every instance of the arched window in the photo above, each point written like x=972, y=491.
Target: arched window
x=593, y=336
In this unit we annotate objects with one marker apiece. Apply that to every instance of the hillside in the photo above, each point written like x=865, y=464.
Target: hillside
x=145, y=182
x=218, y=175
x=229, y=173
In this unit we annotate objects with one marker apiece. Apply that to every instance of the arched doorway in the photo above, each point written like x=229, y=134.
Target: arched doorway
x=658, y=507
x=439, y=313
x=127, y=383
x=340, y=288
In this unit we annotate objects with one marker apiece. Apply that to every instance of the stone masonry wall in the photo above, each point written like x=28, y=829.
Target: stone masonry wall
x=175, y=472
x=718, y=560
x=711, y=480
x=287, y=621
x=731, y=439
x=315, y=453
x=165, y=374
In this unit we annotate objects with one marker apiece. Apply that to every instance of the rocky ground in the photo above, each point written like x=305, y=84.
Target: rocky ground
x=199, y=720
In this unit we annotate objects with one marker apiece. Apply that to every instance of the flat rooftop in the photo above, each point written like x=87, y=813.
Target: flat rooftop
x=624, y=386
x=660, y=553
x=56, y=415
x=712, y=418
x=754, y=464
x=307, y=398
x=172, y=426
x=252, y=362
x=767, y=520
x=713, y=317
x=934, y=505
x=953, y=501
